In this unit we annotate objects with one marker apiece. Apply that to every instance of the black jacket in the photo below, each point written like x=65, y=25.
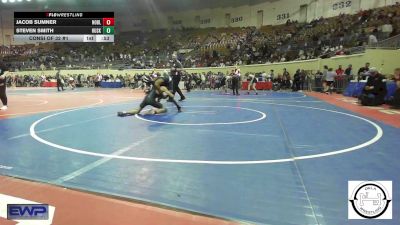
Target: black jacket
x=3, y=69
x=379, y=85
x=176, y=69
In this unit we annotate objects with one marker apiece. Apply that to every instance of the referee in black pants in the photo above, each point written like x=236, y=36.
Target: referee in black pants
x=59, y=83
x=176, y=73
x=236, y=81
x=3, y=86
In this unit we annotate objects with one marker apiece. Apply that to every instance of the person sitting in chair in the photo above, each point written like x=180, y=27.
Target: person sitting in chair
x=375, y=89
x=395, y=100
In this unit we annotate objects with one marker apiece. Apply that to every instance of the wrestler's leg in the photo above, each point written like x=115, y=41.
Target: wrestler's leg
x=171, y=97
x=159, y=111
x=135, y=111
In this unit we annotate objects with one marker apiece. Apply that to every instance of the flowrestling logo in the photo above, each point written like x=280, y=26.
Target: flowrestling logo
x=370, y=200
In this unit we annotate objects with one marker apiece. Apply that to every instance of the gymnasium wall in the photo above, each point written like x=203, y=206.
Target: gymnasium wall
x=274, y=13
x=385, y=60
x=6, y=27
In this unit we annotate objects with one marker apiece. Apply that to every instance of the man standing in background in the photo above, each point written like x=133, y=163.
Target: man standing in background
x=296, y=81
x=302, y=79
x=3, y=86
x=271, y=76
x=324, y=75
x=318, y=81
x=339, y=71
x=188, y=82
x=329, y=79
x=349, y=73
x=286, y=78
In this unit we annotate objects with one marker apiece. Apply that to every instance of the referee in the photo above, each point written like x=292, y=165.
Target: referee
x=3, y=85
x=59, y=83
x=176, y=73
x=236, y=81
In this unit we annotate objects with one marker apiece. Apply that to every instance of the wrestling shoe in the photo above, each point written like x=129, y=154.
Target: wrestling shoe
x=124, y=114
x=121, y=114
x=4, y=108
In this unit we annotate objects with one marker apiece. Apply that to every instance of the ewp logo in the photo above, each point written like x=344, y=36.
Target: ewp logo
x=27, y=211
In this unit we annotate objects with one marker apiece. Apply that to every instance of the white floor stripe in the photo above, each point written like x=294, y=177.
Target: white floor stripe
x=62, y=126
x=200, y=112
x=237, y=133
x=99, y=162
x=6, y=167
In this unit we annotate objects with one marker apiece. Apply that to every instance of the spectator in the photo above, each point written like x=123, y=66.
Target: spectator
x=372, y=40
x=395, y=101
x=363, y=72
x=339, y=80
x=277, y=83
x=318, y=81
x=302, y=79
x=3, y=86
x=286, y=78
x=324, y=75
x=79, y=81
x=264, y=76
x=98, y=80
x=71, y=82
x=374, y=91
x=329, y=79
x=271, y=76
x=339, y=71
x=349, y=72
x=296, y=81
x=219, y=46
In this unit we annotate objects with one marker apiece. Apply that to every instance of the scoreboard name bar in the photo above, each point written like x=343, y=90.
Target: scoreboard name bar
x=63, y=30
x=39, y=15
x=64, y=26
x=64, y=22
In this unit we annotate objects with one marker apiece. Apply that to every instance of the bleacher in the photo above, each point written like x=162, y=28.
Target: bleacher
x=213, y=47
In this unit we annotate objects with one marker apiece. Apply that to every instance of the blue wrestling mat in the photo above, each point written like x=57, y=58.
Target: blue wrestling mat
x=275, y=158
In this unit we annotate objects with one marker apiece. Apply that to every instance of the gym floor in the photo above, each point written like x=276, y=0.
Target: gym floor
x=273, y=158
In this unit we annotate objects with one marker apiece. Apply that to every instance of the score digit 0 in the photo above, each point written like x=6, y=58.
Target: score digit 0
x=108, y=30
x=108, y=21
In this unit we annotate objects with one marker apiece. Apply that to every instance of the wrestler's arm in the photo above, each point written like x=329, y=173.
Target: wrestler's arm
x=157, y=85
x=165, y=90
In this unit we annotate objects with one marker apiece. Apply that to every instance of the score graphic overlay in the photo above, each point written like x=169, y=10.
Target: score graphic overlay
x=32, y=27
